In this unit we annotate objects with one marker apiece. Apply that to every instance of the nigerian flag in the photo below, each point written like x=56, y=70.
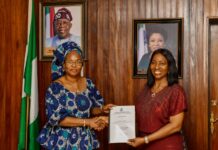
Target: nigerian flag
x=29, y=102
x=49, y=18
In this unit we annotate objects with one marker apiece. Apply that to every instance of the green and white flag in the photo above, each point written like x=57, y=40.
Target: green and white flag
x=30, y=89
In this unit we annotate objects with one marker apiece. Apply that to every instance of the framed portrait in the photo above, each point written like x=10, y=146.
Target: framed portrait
x=61, y=21
x=151, y=34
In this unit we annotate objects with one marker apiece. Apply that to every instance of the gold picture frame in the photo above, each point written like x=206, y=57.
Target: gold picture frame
x=49, y=36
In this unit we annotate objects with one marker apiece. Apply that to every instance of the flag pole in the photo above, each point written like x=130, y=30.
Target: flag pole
x=27, y=121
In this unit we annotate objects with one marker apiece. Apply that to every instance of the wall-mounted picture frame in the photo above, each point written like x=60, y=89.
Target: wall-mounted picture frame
x=168, y=33
x=61, y=21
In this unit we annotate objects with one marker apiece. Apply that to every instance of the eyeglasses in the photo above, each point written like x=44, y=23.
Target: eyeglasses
x=76, y=63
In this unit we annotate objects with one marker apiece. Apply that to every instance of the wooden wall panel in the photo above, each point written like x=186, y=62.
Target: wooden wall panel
x=192, y=66
x=196, y=119
x=110, y=60
x=12, y=47
x=115, y=44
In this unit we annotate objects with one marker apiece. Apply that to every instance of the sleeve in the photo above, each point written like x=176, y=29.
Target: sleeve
x=95, y=95
x=178, y=102
x=55, y=111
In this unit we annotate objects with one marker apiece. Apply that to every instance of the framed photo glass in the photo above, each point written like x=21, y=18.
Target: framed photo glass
x=151, y=34
x=59, y=22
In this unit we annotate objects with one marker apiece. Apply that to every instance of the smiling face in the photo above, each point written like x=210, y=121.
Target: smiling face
x=159, y=67
x=156, y=41
x=73, y=64
x=63, y=28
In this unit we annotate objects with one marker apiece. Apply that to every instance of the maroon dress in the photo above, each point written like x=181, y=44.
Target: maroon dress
x=153, y=113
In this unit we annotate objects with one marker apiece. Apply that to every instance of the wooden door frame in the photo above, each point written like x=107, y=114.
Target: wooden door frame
x=210, y=21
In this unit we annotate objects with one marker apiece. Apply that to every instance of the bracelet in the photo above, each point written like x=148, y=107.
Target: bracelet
x=84, y=123
x=101, y=108
x=146, y=139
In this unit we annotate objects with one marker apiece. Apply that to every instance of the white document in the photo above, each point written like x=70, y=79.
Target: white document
x=122, y=124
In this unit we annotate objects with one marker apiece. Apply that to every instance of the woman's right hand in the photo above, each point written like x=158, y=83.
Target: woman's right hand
x=97, y=123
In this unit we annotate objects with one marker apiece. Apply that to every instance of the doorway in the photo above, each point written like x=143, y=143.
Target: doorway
x=213, y=83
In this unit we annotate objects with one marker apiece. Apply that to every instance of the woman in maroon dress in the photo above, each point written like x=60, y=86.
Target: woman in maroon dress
x=160, y=106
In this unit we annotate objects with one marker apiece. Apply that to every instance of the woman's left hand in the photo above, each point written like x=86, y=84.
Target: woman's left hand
x=107, y=108
x=136, y=142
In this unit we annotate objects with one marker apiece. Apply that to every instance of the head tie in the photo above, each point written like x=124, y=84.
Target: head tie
x=59, y=56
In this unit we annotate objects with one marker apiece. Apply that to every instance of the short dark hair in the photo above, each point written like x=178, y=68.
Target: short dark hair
x=159, y=30
x=172, y=77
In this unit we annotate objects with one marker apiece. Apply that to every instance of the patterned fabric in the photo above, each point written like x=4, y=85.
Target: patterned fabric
x=63, y=13
x=154, y=112
x=60, y=103
x=59, y=55
x=55, y=41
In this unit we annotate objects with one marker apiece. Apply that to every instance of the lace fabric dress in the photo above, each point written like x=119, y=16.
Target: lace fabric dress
x=153, y=112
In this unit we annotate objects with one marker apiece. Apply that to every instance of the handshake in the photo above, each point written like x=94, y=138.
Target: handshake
x=98, y=123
